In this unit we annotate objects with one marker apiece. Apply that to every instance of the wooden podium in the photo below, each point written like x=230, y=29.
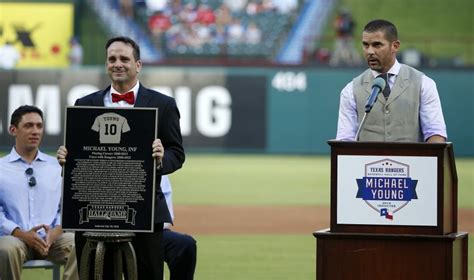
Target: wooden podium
x=393, y=213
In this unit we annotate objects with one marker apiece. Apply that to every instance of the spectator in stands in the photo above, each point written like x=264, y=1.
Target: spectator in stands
x=158, y=24
x=174, y=7
x=223, y=20
x=408, y=110
x=235, y=32
x=9, y=56
x=126, y=8
x=235, y=6
x=174, y=37
x=156, y=5
x=30, y=197
x=253, y=34
x=254, y=7
x=187, y=14
x=219, y=36
x=268, y=6
x=75, y=53
x=190, y=36
x=223, y=15
x=344, y=50
x=203, y=32
x=285, y=6
x=205, y=15
x=180, y=249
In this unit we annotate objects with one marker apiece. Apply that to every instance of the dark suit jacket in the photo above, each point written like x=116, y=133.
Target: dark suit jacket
x=169, y=133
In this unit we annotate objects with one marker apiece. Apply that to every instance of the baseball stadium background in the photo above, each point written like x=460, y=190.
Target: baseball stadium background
x=255, y=121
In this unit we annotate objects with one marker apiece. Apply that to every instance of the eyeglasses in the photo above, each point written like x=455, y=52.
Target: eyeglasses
x=31, y=178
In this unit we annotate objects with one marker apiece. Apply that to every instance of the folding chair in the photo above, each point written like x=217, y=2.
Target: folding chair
x=44, y=264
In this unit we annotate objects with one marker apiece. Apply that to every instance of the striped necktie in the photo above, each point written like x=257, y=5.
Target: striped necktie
x=386, y=89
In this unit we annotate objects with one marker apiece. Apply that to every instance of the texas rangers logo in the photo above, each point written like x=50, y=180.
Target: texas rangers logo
x=387, y=187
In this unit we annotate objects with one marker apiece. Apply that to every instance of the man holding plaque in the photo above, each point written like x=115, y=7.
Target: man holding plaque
x=123, y=65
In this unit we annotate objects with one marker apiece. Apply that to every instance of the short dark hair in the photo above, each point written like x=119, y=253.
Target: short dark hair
x=126, y=40
x=23, y=110
x=385, y=26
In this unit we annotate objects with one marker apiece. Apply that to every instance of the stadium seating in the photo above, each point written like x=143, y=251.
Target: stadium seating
x=272, y=25
x=187, y=35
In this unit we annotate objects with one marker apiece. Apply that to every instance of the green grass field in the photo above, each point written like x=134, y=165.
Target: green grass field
x=273, y=180
x=263, y=180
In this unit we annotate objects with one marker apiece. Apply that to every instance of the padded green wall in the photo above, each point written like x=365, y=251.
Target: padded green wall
x=304, y=121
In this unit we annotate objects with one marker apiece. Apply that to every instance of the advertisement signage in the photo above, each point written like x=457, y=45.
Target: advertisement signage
x=217, y=111
x=41, y=32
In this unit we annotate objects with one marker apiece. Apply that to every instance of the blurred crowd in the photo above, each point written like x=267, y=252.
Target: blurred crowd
x=174, y=24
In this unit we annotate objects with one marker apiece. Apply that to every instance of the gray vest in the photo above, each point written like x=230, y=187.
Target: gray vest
x=396, y=119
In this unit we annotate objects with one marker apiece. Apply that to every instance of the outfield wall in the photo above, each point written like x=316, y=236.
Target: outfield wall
x=270, y=110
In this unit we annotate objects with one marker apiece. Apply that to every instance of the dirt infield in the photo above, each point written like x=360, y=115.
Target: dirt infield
x=268, y=219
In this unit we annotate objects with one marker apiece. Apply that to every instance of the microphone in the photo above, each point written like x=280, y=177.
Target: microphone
x=377, y=87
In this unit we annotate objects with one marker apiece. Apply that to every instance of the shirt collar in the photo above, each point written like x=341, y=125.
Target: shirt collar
x=14, y=156
x=394, y=70
x=134, y=89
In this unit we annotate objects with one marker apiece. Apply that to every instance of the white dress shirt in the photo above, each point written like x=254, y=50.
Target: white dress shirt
x=168, y=193
x=431, y=115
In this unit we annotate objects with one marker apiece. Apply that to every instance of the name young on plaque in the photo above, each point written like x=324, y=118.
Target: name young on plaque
x=102, y=152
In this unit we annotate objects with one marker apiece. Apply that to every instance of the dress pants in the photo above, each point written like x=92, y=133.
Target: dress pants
x=148, y=249
x=180, y=254
x=14, y=252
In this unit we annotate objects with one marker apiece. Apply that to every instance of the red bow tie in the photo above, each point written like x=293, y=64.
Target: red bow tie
x=128, y=97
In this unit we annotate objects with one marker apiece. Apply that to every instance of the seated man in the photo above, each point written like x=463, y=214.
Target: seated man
x=30, y=196
x=180, y=249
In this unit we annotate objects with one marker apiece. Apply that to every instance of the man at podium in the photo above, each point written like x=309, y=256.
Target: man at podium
x=408, y=108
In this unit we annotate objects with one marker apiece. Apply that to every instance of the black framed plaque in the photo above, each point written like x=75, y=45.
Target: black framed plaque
x=109, y=175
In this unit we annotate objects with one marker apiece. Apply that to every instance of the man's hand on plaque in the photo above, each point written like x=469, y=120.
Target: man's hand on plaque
x=158, y=152
x=61, y=155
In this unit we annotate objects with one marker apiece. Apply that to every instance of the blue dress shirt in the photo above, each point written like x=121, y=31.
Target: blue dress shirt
x=25, y=206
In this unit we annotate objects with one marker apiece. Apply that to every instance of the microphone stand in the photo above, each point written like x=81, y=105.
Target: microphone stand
x=360, y=126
